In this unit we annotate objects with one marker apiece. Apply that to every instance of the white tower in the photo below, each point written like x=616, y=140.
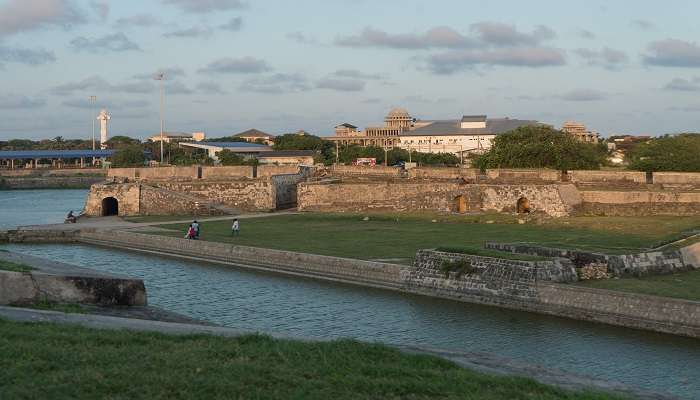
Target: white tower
x=103, y=118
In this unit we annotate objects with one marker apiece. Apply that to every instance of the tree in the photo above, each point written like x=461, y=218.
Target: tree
x=227, y=157
x=541, y=147
x=668, y=153
x=131, y=156
x=122, y=142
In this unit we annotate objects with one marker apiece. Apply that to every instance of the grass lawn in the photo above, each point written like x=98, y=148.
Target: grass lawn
x=398, y=236
x=10, y=266
x=66, y=362
x=685, y=285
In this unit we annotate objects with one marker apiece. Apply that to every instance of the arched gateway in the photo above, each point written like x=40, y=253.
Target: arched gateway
x=110, y=206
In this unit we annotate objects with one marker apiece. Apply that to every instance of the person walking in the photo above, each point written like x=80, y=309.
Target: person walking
x=195, y=226
x=190, y=232
x=235, y=228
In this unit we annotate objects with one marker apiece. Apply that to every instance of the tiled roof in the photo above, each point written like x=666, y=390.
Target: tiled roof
x=254, y=133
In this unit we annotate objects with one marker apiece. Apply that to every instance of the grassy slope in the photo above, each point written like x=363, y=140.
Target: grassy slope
x=399, y=235
x=681, y=286
x=10, y=266
x=65, y=362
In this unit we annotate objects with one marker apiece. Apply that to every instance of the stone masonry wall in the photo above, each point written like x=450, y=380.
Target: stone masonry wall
x=360, y=170
x=542, y=198
x=128, y=196
x=635, y=203
x=286, y=190
x=244, y=194
x=221, y=172
x=614, y=177
x=468, y=174
x=517, y=176
x=640, y=264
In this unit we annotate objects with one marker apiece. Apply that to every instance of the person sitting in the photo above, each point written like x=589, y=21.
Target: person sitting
x=70, y=218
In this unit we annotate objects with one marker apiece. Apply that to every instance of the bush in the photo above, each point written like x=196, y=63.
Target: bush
x=227, y=157
x=669, y=153
x=541, y=147
x=459, y=267
x=131, y=156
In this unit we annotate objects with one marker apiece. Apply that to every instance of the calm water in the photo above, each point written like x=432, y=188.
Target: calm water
x=301, y=307
x=33, y=207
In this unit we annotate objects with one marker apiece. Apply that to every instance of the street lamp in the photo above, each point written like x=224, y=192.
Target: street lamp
x=161, y=77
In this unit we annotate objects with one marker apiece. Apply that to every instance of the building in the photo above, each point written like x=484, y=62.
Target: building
x=294, y=157
x=57, y=158
x=242, y=148
x=400, y=130
x=256, y=136
x=579, y=131
x=471, y=134
x=174, y=137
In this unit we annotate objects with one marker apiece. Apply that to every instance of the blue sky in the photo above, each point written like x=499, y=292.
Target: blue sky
x=280, y=66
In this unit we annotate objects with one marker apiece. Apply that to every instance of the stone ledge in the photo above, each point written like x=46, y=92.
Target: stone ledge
x=64, y=283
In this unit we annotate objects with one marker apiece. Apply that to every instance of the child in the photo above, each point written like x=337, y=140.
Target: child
x=190, y=232
x=235, y=228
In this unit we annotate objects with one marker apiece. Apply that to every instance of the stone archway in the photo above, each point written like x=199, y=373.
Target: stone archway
x=460, y=204
x=110, y=206
x=523, y=205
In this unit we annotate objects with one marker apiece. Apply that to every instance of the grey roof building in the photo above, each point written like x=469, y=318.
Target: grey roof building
x=494, y=126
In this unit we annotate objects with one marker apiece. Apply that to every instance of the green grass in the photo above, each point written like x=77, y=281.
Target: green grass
x=491, y=253
x=14, y=267
x=61, y=307
x=45, y=361
x=387, y=236
x=685, y=285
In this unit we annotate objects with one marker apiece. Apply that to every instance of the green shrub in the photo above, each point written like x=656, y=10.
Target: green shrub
x=459, y=267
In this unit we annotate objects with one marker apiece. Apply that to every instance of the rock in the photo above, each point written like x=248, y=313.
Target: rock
x=490, y=221
x=434, y=221
x=521, y=221
x=365, y=219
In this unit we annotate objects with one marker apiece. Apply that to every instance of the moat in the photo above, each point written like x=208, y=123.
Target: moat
x=308, y=308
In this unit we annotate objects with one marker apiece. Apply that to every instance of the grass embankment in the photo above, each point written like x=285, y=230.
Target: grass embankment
x=398, y=236
x=68, y=362
x=14, y=267
x=685, y=285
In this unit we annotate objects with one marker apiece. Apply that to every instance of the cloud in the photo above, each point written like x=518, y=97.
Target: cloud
x=91, y=83
x=684, y=85
x=138, y=20
x=25, y=15
x=243, y=65
x=301, y=37
x=499, y=34
x=25, y=56
x=134, y=87
x=276, y=84
x=343, y=85
x=642, y=24
x=193, y=32
x=606, y=57
x=534, y=57
x=586, y=34
x=372, y=100
x=116, y=42
x=110, y=104
x=206, y=6
x=210, y=88
x=441, y=36
x=583, y=95
x=177, y=87
x=673, y=53
x=234, y=24
x=355, y=74
x=15, y=101
x=169, y=73
x=101, y=8
x=692, y=109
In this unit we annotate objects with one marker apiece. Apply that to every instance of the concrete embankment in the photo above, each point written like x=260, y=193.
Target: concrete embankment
x=521, y=285
x=55, y=282
x=51, y=178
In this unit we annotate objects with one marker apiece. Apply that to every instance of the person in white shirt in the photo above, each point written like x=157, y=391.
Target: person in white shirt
x=235, y=228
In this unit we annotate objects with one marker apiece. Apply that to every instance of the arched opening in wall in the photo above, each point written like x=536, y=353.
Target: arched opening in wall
x=460, y=204
x=110, y=206
x=523, y=205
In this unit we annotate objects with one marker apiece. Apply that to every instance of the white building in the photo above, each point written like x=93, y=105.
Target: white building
x=473, y=133
x=169, y=137
x=242, y=148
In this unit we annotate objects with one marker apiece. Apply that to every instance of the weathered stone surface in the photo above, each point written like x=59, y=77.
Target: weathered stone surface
x=16, y=288
x=640, y=264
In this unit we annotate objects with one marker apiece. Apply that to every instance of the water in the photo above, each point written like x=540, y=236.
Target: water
x=302, y=307
x=41, y=206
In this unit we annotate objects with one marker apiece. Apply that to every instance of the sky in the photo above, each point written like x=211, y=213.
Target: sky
x=620, y=67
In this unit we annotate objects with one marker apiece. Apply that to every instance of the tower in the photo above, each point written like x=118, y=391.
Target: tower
x=103, y=118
